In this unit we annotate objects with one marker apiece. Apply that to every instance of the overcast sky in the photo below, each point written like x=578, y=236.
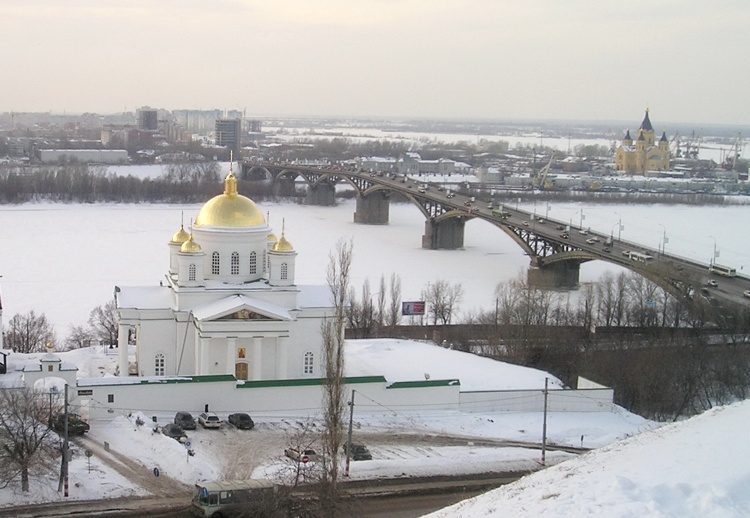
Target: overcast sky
x=686, y=60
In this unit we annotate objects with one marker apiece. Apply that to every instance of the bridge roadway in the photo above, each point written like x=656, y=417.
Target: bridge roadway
x=547, y=242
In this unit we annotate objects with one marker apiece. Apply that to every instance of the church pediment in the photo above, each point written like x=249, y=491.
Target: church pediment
x=241, y=307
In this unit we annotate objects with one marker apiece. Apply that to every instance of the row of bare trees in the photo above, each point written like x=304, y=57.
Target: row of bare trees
x=81, y=183
x=32, y=332
x=624, y=299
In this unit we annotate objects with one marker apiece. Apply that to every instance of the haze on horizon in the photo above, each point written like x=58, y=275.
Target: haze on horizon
x=490, y=59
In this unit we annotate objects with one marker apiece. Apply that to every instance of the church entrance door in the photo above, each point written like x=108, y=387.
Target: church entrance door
x=240, y=370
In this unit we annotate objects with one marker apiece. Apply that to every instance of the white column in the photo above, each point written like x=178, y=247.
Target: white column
x=231, y=354
x=122, y=349
x=282, y=351
x=257, y=358
x=204, y=366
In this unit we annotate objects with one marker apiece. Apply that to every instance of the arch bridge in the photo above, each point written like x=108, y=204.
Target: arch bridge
x=556, y=250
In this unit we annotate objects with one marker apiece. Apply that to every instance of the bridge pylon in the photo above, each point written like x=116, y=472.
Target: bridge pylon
x=445, y=234
x=323, y=193
x=562, y=274
x=373, y=209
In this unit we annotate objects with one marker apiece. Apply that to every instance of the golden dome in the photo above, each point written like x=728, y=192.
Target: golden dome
x=190, y=246
x=272, y=238
x=282, y=245
x=230, y=209
x=180, y=236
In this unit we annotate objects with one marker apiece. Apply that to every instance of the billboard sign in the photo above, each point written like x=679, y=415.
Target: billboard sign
x=412, y=308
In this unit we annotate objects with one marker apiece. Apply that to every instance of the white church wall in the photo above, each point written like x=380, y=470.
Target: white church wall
x=299, y=398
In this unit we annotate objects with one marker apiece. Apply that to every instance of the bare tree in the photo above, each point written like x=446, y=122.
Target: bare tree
x=442, y=300
x=332, y=330
x=380, y=311
x=27, y=444
x=103, y=321
x=79, y=336
x=394, y=308
x=28, y=333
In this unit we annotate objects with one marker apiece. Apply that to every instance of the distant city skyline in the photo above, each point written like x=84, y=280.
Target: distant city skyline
x=460, y=59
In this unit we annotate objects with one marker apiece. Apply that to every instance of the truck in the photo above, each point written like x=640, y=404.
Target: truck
x=500, y=213
x=76, y=425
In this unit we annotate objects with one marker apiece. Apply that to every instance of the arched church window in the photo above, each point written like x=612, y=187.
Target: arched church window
x=284, y=271
x=253, y=263
x=308, y=363
x=159, y=365
x=215, y=263
x=191, y=272
x=235, y=263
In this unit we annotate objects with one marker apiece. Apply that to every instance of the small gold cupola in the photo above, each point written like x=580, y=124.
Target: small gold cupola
x=282, y=245
x=190, y=246
x=180, y=236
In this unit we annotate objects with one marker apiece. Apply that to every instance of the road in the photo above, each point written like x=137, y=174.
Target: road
x=387, y=499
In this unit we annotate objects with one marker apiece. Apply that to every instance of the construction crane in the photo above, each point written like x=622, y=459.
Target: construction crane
x=733, y=154
x=539, y=179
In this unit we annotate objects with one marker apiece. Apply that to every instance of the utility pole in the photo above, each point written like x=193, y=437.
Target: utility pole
x=349, y=435
x=544, y=424
x=63, y=484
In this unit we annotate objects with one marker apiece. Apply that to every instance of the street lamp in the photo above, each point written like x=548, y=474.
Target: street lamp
x=715, y=254
x=620, y=228
x=546, y=214
x=664, y=239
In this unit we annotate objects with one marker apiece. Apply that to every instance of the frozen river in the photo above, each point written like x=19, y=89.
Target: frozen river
x=64, y=259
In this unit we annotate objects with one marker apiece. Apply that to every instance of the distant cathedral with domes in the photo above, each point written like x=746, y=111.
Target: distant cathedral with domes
x=644, y=154
x=229, y=304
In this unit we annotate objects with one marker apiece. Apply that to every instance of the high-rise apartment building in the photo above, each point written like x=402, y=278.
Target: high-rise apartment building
x=148, y=119
x=229, y=134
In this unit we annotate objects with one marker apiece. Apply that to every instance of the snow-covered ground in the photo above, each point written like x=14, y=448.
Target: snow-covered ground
x=694, y=468
x=403, y=444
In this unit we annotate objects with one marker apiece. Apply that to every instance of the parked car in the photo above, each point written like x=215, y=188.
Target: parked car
x=174, y=431
x=209, y=420
x=359, y=452
x=241, y=421
x=76, y=425
x=184, y=420
x=746, y=294
x=304, y=456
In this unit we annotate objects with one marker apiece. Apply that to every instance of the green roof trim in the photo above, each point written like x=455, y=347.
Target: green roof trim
x=167, y=380
x=423, y=384
x=307, y=382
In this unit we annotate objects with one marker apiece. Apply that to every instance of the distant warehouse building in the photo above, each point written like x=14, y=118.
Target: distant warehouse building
x=85, y=156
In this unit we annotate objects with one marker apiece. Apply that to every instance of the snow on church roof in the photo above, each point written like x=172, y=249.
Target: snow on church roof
x=144, y=297
x=314, y=296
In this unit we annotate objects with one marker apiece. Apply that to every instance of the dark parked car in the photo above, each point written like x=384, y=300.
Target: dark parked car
x=174, y=431
x=76, y=425
x=359, y=452
x=184, y=420
x=241, y=421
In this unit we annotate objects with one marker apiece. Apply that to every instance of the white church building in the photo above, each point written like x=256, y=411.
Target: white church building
x=229, y=305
